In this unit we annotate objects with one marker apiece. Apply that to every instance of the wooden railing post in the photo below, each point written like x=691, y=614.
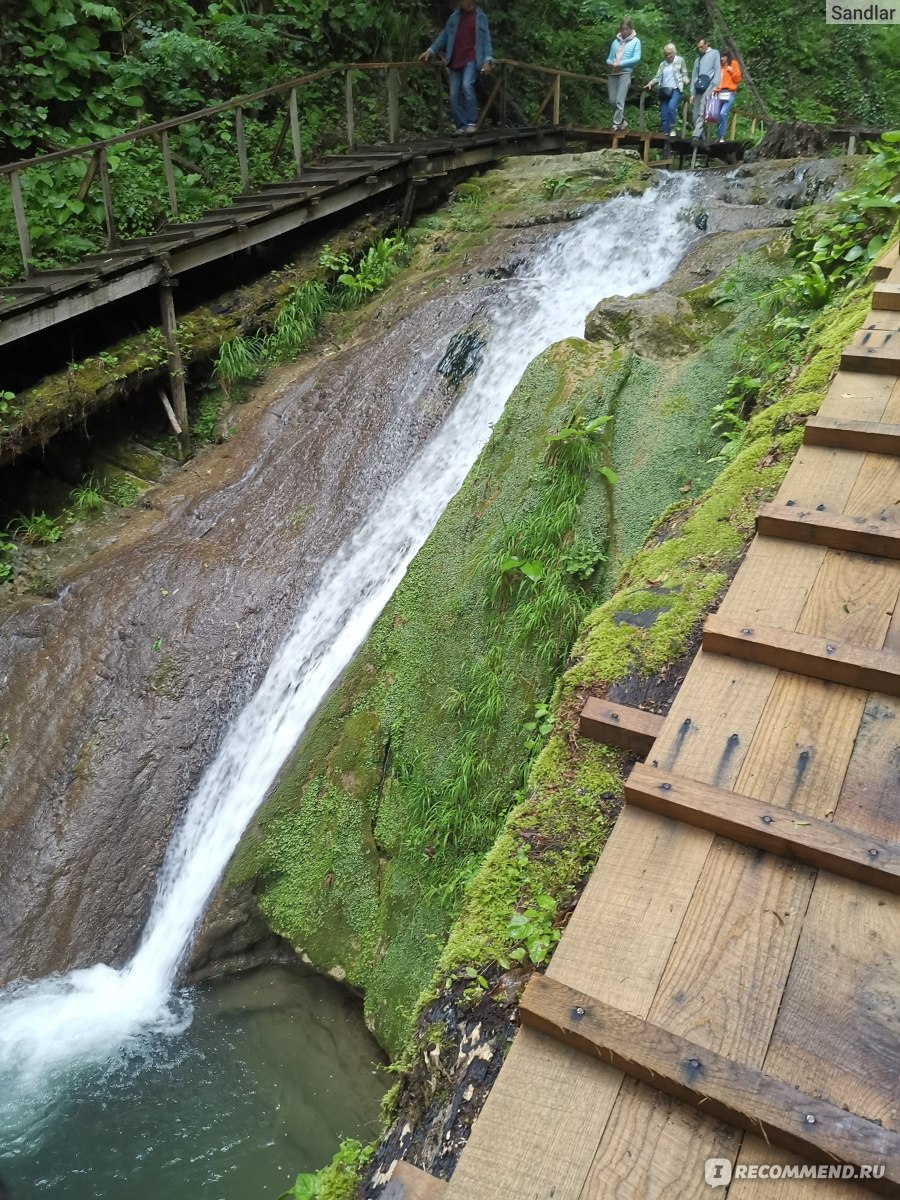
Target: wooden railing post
x=393, y=91
x=295, y=131
x=556, y=98
x=439, y=80
x=641, y=114
x=170, y=173
x=504, y=119
x=348, y=101
x=243, y=164
x=109, y=215
x=176, y=366
x=15, y=187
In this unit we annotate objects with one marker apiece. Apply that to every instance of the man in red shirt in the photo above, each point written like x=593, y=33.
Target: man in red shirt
x=465, y=42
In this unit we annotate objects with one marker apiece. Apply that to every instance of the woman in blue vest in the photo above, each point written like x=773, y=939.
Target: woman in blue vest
x=624, y=56
x=465, y=43
x=671, y=78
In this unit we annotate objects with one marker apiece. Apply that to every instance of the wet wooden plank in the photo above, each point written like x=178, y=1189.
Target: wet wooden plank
x=886, y=263
x=727, y=1090
x=804, y=654
x=872, y=437
x=818, y=843
x=619, y=725
x=861, y=535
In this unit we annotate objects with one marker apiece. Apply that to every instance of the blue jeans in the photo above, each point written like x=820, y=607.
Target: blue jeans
x=668, y=111
x=463, y=104
x=727, y=99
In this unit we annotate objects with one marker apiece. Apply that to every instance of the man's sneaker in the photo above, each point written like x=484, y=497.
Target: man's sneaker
x=672, y=133
x=470, y=129
x=456, y=132
x=623, y=126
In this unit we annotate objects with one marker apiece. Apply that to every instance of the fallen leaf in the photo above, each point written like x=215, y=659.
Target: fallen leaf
x=687, y=487
x=163, y=592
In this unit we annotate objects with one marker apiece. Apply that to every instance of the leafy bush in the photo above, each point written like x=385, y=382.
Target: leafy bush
x=88, y=497
x=39, y=529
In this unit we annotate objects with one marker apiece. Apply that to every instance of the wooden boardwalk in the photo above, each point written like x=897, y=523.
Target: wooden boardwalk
x=729, y=984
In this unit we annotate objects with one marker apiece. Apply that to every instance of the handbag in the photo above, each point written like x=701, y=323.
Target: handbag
x=712, y=109
x=666, y=93
x=703, y=82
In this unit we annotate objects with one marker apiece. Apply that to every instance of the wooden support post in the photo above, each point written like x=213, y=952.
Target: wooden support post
x=24, y=236
x=851, y=145
x=718, y=1086
x=170, y=412
x=548, y=96
x=869, y=436
x=243, y=164
x=854, y=666
x=557, y=98
x=295, y=131
x=796, y=835
x=646, y=153
x=348, y=104
x=170, y=173
x=618, y=725
x=858, y=535
x=753, y=126
x=108, y=213
x=393, y=90
x=504, y=83
x=176, y=366
x=488, y=106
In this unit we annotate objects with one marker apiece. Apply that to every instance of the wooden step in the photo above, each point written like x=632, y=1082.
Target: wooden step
x=859, y=535
x=873, y=437
x=618, y=725
x=411, y=1183
x=886, y=296
x=718, y=1086
x=804, y=654
x=873, y=350
x=888, y=261
x=796, y=835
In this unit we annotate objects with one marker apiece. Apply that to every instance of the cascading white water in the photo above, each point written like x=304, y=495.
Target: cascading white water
x=627, y=246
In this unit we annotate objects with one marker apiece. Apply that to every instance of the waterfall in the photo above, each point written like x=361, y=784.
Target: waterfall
x=626, y=246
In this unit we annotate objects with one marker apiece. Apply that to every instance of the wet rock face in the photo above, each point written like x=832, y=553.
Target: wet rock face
x=114, y=696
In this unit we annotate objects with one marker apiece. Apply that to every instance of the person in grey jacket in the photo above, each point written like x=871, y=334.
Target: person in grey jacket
x=671, y=78
x=624, y=56
x=465, y=43
x=705, y=79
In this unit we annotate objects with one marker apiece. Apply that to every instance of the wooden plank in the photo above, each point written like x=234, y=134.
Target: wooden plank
x=821, y=844
x=872, y=437
x=618, y=725
x=886, y=296
x=411, y=1183
x=860, y=535
x=822, y=658
x=873, y=350
x=726, y=1090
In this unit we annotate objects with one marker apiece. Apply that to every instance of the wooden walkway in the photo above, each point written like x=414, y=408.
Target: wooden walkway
x=729, y=985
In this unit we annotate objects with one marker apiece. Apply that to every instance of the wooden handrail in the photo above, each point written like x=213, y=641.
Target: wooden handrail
x=201, y=114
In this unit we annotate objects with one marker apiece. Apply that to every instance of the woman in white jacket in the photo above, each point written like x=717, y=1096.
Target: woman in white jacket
x=671, y=78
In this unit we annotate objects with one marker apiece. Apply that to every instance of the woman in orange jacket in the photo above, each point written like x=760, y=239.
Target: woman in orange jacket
x=731, y=77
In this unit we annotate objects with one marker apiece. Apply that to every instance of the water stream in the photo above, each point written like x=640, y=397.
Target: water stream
x=101, y=1014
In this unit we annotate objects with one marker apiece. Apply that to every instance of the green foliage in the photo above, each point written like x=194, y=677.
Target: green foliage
x=355, y=282
x=338, y=1180
x=533, y=931
x=122, y=491
x=554, y=187
x=87, y=498
x=7, y=570
x=38, y=529
x=7, y=408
